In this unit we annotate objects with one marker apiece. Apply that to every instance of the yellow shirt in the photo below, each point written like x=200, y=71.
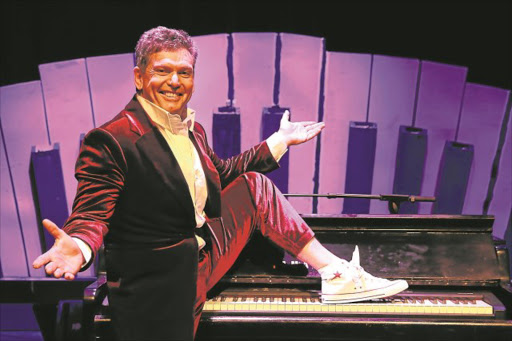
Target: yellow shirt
x=175, y=133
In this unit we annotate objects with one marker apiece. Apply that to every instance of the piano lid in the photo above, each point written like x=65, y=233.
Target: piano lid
x=429, y=250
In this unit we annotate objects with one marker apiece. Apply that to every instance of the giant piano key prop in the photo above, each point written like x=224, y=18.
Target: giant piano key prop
x=454, y=172
x=411, y=157
x=226, y=121
x=362, y=140
x=300, y=84
x=270, y=122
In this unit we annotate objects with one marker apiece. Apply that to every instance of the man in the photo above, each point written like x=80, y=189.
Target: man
x=177, y=216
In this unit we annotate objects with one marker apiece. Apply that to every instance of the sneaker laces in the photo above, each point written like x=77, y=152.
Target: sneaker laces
x=358, y=273
x=351, y=269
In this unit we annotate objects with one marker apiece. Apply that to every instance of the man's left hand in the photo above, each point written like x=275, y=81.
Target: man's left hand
x=298, y=132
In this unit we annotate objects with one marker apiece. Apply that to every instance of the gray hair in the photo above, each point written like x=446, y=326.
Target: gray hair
x=162, y=39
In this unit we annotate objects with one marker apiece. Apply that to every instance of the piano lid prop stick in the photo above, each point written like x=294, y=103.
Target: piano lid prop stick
x=394, y=200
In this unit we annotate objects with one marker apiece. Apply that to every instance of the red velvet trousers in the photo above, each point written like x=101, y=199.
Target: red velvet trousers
x=250, y=203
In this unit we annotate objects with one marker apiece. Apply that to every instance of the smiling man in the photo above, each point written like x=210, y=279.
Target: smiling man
x=172, y=215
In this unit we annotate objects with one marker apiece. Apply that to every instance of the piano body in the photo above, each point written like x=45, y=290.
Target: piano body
x=459, y=286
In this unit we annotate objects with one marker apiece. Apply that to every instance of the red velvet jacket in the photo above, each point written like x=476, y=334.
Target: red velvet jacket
x=131, y=187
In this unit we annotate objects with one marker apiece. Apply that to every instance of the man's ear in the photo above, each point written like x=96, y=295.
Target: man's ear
x=137, y=76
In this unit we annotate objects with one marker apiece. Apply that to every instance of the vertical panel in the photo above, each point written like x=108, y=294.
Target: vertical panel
x=360, y=164
x=301, y=64
x=480, y=125
x=346, y=98
x=111, y=83
x=453, y=178
x=271, y=121
x=411, y=155
x=21, y=103
x=501, y=205
x=46, y=172
x=508, y=238
x=253, y=62
x=226, y=132
x=439, y=102
x=68, y=110
x=12, y=254
x=210, y=78
x=391, y=105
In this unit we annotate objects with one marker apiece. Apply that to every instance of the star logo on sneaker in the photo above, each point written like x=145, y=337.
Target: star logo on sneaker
x=337, y=275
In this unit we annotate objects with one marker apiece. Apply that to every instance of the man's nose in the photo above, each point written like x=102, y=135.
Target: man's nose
x=174, y=81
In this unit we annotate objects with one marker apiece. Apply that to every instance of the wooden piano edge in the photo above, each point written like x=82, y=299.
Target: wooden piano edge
x=346, y=328
x=44, y=290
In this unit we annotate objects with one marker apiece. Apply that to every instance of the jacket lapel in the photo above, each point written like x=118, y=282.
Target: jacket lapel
x=153, y=146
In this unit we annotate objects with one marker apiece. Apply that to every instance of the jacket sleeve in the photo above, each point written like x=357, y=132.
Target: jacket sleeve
x=100, y=171
x=256, y=159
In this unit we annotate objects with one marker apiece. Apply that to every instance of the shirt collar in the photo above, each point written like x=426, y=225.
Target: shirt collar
x=162, y=117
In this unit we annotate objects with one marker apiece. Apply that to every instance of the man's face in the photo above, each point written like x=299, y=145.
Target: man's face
x=168, y=80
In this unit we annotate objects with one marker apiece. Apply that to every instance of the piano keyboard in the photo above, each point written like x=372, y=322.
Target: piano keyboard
x=404, y=304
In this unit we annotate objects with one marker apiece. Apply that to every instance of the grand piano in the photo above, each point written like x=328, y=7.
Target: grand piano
x=458, y=275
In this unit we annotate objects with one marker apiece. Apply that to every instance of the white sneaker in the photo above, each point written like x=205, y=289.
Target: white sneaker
x=344, y=282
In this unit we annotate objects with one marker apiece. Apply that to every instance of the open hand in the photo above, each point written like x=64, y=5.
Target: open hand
x=298, y=132
x=64, y=258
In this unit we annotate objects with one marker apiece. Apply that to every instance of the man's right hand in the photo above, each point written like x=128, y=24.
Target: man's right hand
x=64, y=258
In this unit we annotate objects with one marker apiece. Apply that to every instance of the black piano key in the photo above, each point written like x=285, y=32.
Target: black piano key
x=235, y=299
x=223, y=298
x=305, y=300
x=263, y=299
x=271, y=299
x=243, y=299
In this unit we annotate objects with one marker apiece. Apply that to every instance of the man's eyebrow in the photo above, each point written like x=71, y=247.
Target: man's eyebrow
x=181, y=64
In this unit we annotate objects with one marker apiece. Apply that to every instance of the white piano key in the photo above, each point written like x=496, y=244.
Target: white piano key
x=20, y=103
x=439, y=101
x=254, y=70
x=112, y=84
x=210, y=78
x=301, y=64
x=346, y=97
x=392, y=96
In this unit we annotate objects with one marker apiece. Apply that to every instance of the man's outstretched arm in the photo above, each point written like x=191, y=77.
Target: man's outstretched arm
x=100, y=173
